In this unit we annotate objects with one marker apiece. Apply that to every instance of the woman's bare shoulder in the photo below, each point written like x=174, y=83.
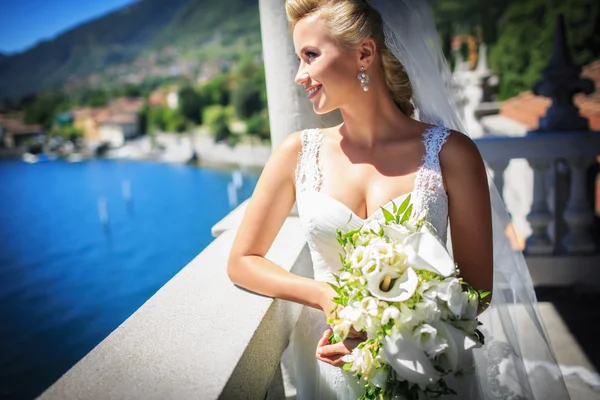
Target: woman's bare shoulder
x=459, y=150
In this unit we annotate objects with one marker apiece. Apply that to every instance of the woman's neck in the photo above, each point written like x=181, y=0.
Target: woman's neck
x=373, y=121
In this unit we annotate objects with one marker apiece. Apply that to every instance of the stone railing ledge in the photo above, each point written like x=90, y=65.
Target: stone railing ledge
x=199, y=336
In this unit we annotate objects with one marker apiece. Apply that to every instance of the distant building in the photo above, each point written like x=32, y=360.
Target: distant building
x=173, y=100
x=14, y=133
x=117, y=128
x=87, y=120
x=112, y=124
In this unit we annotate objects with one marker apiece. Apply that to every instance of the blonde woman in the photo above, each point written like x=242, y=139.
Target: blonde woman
x=350, y=59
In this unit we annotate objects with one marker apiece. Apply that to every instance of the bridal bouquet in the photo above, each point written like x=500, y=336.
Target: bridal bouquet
x=399, y=285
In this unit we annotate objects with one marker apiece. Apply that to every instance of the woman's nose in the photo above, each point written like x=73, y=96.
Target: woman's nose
x=301, y=76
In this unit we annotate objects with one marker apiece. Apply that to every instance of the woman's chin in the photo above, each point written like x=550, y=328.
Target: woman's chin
x=321, y=109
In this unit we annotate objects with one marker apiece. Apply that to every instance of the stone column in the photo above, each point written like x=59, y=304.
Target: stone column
x=539, y=216
x=579, y=215
x=498, y=168
x=289, y=108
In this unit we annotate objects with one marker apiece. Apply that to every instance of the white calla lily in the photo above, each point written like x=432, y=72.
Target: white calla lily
x=426, y=252
x=407, y=358
x=397, y=233
x=400, y=290
x=460, y=346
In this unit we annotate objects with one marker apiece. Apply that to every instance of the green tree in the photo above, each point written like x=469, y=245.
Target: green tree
x=190, y=105
x=216, y=118
x=258, y=125
x=174, y=121
x=67, y=132
x=526, y=35
x=467, y=17
x=42, y=109
x=96, y=98
x=216, y=91
x=248, y=95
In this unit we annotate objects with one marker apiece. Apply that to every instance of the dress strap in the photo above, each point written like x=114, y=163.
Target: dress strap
x=434, y=138
x=308, y=169
x=429, y=184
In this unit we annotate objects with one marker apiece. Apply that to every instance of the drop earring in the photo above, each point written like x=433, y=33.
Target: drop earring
x=363, y=77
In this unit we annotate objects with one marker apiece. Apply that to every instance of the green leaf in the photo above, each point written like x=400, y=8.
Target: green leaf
x=483, y=295
x=395, y=207
x=406, y=215
x=335, y=287
x=404, y=204
x=388, y=215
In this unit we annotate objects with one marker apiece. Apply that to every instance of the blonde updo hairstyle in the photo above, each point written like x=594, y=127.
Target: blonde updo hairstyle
x=350, y=22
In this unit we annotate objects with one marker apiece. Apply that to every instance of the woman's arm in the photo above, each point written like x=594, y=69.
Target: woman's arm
x=469, y=210
x=267, y=210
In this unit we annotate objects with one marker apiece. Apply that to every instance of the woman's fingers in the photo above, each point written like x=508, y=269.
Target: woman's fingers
x=333, y=349
x=335, y=360
x=325, y=338
x=354, y=334
x=333, y=353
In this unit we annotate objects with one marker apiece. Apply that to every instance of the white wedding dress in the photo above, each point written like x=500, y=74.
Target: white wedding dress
x=507, y=367
x=320, y=216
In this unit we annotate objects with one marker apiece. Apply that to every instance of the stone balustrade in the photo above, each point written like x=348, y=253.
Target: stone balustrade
x=562, y=212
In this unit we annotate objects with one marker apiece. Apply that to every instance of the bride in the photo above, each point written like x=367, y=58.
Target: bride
x=377, y=62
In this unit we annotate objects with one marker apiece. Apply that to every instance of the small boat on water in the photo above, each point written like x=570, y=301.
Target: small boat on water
x=35, y=158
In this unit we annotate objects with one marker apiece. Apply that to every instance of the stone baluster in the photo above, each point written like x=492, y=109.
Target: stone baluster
x=539, y=243
x=498, y=168
x=578, y=214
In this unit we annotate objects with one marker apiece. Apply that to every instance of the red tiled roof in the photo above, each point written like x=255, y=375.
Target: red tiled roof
x=16, y=127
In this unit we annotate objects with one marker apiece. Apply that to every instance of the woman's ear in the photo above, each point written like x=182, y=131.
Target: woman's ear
x=367, y=50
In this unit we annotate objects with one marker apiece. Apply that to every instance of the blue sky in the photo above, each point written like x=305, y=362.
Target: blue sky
x=23, y=23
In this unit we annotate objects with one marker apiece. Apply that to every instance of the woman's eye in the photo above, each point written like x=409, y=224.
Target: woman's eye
x=310, y=55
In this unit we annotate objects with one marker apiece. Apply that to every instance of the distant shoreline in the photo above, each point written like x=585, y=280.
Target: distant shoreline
x=175, y=149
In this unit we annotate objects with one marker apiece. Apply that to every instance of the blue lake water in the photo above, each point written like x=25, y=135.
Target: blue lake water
x=67, y=280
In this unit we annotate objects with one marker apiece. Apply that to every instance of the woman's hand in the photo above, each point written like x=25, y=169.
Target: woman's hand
x=331, y=309
x=333, y=353
x=326, y=299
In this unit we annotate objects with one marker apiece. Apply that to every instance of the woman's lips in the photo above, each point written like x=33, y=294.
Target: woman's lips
x=313, y=91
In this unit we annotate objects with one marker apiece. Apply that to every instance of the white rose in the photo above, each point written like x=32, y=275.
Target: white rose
x=382, y=250
x=360, y=257
x=390, y=313
x=352, y=314
x=342, y=328
x=450, y=291
x=361, y=359
x=369, y=306
x=428, y=310
x=371, y=269
x=433, y=344
x=407, y=318
x=459, y=354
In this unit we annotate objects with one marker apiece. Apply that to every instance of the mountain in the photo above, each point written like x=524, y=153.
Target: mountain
x=135, y=40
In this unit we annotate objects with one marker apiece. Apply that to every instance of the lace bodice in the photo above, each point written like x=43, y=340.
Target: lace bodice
x=320, y=215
